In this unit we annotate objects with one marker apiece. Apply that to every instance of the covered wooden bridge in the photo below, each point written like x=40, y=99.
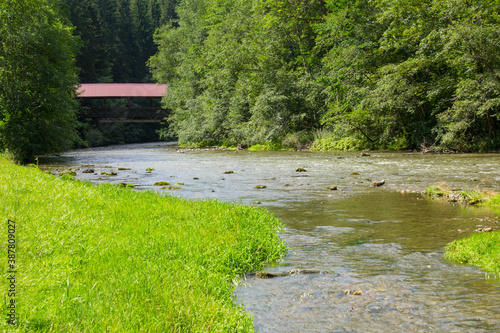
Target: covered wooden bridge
x=123, y=102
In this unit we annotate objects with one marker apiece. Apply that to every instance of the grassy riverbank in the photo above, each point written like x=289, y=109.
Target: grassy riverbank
x=480, y=249
x=102, y=258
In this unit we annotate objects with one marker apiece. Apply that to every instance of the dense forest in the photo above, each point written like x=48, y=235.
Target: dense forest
x=336, y=74
x=347, y=73
x=37, y=79
x=116, y=37
x=116, y=41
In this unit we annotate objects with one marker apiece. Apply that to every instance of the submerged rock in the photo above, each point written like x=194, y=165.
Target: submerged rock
x=126, y=185
x=378, y=184
x=161, y=184
x=88, y=171
x=260, y=186
x=489, y=229
x=267, y=275
x=229, y=172
x=301, y=170
x=332, y=188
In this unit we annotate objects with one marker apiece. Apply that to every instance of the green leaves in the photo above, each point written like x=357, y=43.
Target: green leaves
x=379, y=72
x=37, y=80
x=240, y=72
x=420, y=76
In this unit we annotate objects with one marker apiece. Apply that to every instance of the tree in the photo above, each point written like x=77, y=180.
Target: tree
x=472, y=47
x=94, y=55
x=241, y=71
x=37, y=79
x=350, y=35
x=117, y=36
x=421, y=72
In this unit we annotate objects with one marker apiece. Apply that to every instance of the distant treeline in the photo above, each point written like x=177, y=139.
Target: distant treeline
x=344, y=74
x=347, y=73
x=116, y=37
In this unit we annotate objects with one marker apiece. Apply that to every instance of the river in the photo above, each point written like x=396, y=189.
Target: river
x=381, y=248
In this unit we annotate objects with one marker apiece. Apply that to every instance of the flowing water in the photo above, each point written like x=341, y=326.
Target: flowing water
x=380, y=248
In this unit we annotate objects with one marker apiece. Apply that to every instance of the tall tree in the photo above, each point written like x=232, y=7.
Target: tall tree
x=94, y=56
x=37, y=79
x=241, y=71
x=117, y=36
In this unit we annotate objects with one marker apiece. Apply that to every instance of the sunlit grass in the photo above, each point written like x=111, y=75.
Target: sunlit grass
x=471, y=197
x=104, y=258
x=481, y=249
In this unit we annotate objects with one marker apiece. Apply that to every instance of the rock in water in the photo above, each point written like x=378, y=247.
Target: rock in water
x=377, y=184
x=267, y=275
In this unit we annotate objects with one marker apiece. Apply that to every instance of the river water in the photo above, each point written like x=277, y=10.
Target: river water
x=381, y=248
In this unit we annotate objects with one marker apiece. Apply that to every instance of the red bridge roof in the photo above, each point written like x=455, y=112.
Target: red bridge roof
x=103, y=90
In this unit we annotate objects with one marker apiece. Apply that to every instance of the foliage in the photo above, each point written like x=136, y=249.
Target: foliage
x=103, y=134
x=37, y=79
x=392, y=74
x=435, y=191
x=382, y=74
x=343, y=144
x=239, y=72
x=107, y=258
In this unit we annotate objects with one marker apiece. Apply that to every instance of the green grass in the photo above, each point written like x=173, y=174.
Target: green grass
x=471, y=197
x=109, y=259
x=481, y=249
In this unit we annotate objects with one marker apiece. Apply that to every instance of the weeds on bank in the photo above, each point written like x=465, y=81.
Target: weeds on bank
x=471, y=197
x=108, y=259
x=480, y=249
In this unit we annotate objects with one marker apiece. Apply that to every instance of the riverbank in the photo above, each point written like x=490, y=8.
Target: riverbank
x=481, y=249
x=103, y=258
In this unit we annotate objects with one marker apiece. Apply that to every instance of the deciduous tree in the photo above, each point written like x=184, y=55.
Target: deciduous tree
x=37, y=79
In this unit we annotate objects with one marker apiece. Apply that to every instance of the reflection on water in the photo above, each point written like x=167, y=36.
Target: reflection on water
x=382, y=243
